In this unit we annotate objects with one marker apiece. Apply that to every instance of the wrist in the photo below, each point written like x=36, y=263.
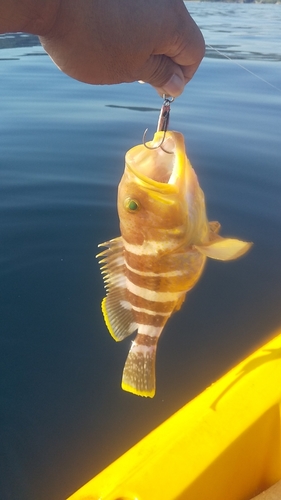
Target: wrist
x=29, y=16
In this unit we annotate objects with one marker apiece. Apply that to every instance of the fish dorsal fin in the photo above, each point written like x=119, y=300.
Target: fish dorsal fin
x=223, y=248
x=117, y=311
x=118, y=315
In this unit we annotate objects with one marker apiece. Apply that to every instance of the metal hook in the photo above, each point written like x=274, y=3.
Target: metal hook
x=163, y=122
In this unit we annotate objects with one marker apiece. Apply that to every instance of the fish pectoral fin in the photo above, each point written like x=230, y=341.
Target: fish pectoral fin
x=139, y=370
x=118, y=314
x=224, y=248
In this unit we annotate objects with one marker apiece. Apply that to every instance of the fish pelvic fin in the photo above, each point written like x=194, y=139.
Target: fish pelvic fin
x=214, y=226
x=139, y=370
x=223, y=248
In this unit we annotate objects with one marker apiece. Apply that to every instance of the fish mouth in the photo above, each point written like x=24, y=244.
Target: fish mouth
x=160, y=166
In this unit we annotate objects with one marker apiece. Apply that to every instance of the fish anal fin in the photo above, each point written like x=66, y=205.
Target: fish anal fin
x=224, y=248
x=139, y=370
x=180, y=302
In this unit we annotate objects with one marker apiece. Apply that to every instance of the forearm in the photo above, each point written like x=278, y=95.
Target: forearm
x=29, y=16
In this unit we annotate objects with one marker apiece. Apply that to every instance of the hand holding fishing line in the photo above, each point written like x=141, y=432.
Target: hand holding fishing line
x=117, y=41
x=113, y=41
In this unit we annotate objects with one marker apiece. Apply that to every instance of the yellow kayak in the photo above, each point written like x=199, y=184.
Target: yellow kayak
x=223, y=445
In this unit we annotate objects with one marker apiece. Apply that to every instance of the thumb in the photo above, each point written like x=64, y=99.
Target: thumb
x=165, y=75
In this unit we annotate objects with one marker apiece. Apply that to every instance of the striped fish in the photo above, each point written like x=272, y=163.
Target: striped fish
x=160, y=255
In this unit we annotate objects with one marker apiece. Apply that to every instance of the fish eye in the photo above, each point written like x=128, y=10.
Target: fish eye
x=131, y=205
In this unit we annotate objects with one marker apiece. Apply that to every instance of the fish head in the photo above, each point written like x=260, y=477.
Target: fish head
x=159, y=196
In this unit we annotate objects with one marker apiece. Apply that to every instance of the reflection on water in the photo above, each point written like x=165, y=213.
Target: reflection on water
x=132, y=108
x=240, y=31
x=11, y=40
x=237, y=30
x=64, y=416
x=228, y=50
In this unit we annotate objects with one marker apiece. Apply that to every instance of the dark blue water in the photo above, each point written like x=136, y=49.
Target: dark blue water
x=62, y=144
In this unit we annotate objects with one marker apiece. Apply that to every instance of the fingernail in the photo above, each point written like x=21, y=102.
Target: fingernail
x=174, y=86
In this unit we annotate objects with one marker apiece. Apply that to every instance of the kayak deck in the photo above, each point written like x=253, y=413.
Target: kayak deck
x=224, y=444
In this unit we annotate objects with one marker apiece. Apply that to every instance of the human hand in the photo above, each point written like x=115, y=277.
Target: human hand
x=116, y=41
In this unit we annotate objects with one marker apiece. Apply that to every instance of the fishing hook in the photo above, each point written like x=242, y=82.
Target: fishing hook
x=163, y=122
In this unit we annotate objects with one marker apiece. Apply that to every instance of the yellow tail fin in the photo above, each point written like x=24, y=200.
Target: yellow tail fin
x=139, y=370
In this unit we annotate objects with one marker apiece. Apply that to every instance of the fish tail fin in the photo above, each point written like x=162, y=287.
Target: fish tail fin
x=139, y=370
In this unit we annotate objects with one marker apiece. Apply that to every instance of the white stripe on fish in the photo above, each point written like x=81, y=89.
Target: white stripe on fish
x=144, y=293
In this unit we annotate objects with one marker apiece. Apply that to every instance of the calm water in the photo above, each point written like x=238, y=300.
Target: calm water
x=62, y=143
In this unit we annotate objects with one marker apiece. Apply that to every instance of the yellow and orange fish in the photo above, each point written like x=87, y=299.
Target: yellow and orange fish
x=160, y=255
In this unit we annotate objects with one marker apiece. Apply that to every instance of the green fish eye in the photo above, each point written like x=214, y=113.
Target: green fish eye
x=131, y=205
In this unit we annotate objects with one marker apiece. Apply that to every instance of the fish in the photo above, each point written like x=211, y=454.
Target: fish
x=161, y=253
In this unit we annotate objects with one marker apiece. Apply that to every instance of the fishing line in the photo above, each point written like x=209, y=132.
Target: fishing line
x=243, y=67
